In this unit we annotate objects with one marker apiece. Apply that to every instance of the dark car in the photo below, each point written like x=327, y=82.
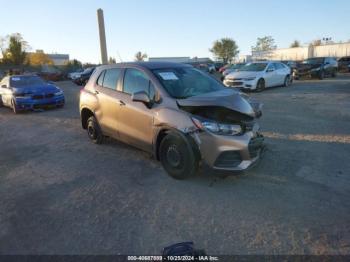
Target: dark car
x=29, y=92
x=344, y=64
x=84, y=76
x=218, y=65
x=317, y=67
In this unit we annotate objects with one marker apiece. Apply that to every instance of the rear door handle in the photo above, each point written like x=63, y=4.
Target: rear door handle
x=121, y=103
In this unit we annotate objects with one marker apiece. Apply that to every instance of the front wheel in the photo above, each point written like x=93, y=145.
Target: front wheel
x=94, y=131
x=177, y=156
x=260, y=85
x=287, y=81
x=321, y=75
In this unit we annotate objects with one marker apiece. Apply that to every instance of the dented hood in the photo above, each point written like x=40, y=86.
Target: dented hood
x=227, y=98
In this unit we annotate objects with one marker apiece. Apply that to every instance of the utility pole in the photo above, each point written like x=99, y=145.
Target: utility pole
x=101, y=28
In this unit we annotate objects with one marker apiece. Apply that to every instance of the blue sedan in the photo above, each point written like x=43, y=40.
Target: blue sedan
x=29, y=92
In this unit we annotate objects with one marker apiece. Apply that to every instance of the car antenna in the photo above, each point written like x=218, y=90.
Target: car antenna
x=120, y=58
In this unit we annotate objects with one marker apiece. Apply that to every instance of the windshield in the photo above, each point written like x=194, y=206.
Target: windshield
x=253, y=67
x=236, y=66
x=185, y=82
x=88, y=70
x=313, y=61
x=23, y=81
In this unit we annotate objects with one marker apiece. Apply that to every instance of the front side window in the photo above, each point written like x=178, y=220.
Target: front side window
x=109, y=78
x=183, y=82
x=136, y=81
x=271, y=67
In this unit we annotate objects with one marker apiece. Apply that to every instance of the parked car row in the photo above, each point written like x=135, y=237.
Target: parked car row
x=177, y=113
x=262, y=74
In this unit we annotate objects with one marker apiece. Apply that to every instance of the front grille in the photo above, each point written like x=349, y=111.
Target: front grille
x=37, y=96
x=228, y=159
x=255, y=145
x=236, y=83
x=49, y=95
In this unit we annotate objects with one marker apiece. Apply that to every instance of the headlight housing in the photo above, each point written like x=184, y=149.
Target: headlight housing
x=217, y=128
x=59, y=93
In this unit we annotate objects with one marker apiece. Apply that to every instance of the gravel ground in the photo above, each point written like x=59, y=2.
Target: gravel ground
x=61, y=194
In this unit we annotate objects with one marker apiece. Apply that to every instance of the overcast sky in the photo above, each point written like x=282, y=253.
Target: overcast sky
x=169, y=28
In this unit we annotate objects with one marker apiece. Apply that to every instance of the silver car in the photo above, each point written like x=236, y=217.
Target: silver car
x=259, y=75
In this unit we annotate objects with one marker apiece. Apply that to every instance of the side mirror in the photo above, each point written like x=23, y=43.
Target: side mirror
x=141, y=96
x=270, y=70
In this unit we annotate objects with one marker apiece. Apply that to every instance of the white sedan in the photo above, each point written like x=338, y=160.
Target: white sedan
x=259, y=75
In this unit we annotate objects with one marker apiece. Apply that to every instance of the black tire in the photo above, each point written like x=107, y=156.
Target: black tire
x=94, y=131
x=287, y=81
x=177, y=156
x=334, y=73
x=260, y=86
x=321, y=75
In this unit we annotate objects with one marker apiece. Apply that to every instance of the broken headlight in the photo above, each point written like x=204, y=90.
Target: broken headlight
x=217, y=128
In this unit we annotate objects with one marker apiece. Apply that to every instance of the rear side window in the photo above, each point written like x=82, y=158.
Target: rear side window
x=136, y=81
x=109, y=78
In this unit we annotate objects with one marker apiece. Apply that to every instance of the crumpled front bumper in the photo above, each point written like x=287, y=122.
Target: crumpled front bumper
x=232, y=153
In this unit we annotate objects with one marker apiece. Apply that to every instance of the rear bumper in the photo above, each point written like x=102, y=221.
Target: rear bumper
x=231, y=153
x=29, y=104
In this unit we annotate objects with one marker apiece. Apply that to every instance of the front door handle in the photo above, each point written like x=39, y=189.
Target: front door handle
x=121, y=103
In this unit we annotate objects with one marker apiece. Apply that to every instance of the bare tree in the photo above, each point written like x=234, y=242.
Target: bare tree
x=296, y=43
x=139, y=56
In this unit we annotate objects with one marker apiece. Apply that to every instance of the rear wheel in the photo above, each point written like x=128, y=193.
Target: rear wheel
x=177, y=156
x=94, y=131
x=260, y=86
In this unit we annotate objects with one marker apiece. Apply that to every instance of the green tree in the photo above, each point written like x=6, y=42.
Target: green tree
x=296, y=43
x=139, y=56
x=15, y=53
x=266, y=43
x=225, y=49
x=38, y=58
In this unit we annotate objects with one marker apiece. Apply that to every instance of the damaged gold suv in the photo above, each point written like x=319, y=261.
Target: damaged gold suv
x=180, y=115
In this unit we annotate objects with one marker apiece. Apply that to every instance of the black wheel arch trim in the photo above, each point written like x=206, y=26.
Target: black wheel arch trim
x=187, y=137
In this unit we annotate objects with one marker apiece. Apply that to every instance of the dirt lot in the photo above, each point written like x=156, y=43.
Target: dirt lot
x=61, y=194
